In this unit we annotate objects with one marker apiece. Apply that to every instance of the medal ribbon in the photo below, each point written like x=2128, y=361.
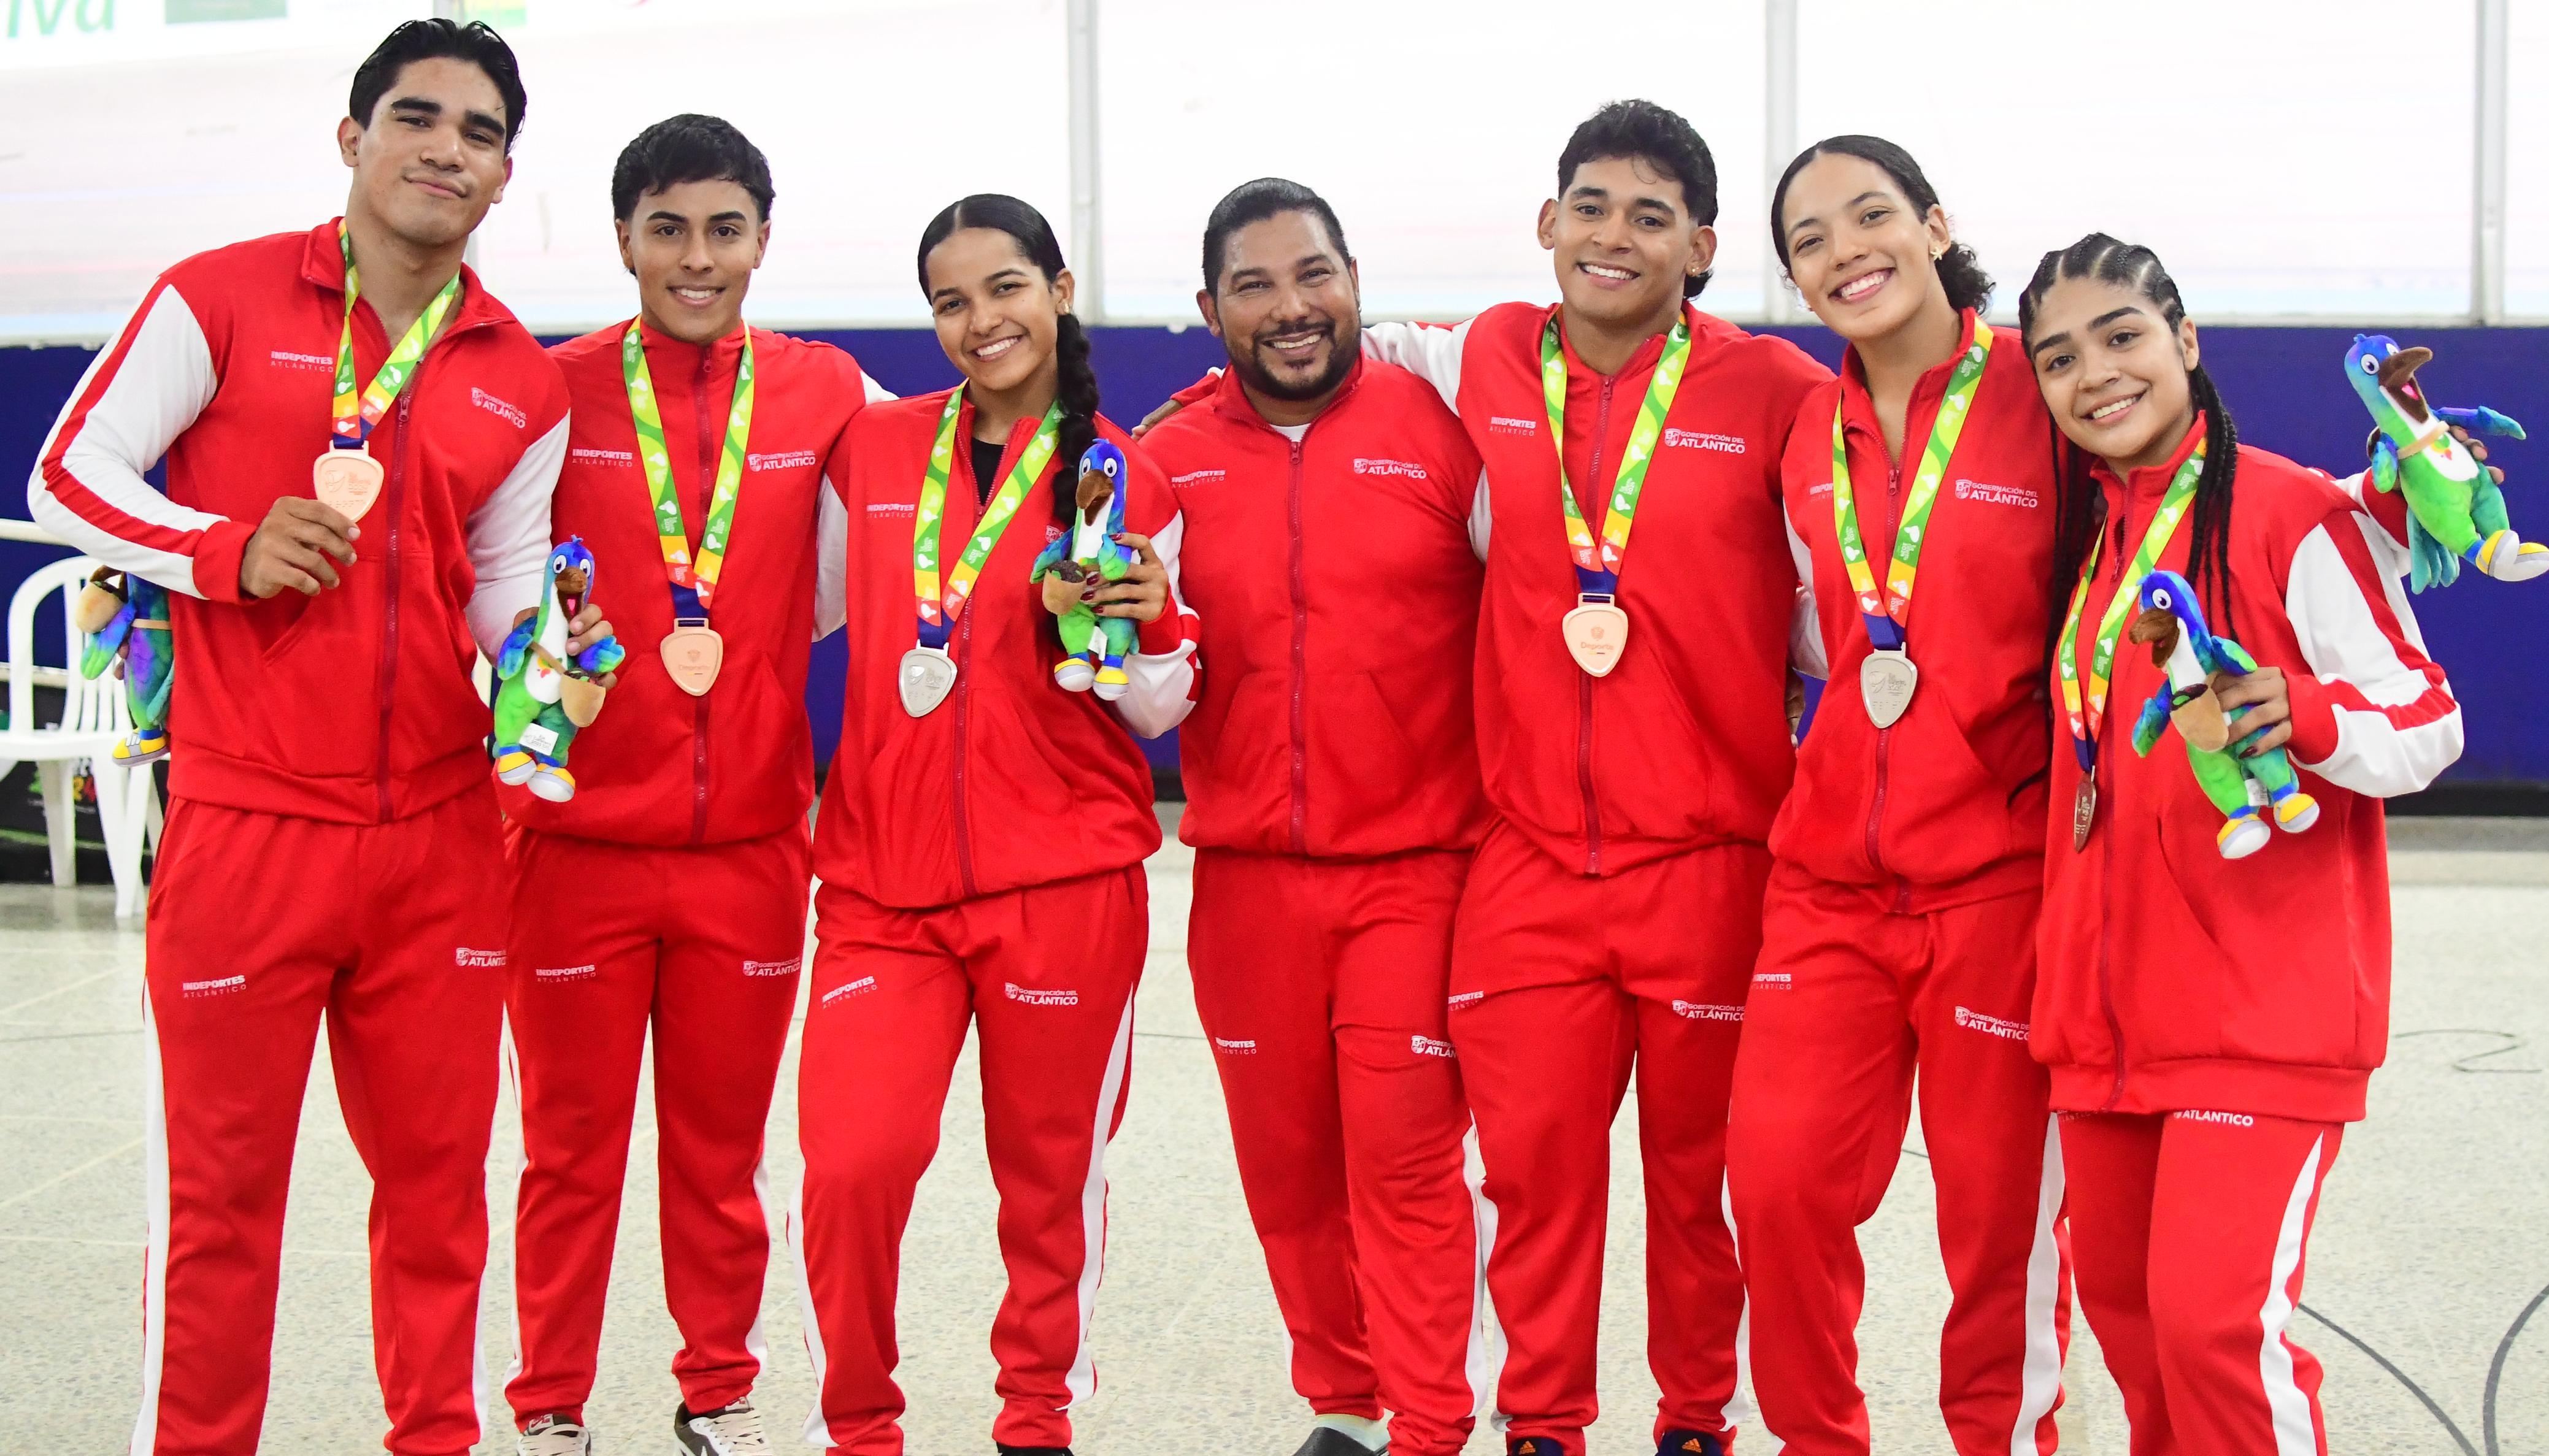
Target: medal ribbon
x=938, y=608
x=694, y=583
x=2102, y=665
x=1599, y=574
x=1887, y=615
x=355, y=414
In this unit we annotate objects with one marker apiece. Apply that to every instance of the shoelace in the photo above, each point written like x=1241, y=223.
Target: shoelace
x=734, y=1430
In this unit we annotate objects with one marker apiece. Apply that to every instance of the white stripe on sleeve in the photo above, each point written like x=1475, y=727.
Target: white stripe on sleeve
x=831, y=562
x=1805, y=629
x=1163, y=690
x=2396, y=725
x=509, y=540
x=1430, y=353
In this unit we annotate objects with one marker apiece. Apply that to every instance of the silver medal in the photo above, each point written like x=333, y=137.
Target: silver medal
x=1886, y=680
x=926, y=676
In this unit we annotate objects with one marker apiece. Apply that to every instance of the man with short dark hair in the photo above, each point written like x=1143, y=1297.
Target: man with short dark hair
x=668, y=893
x=1332, y=797
x=331, y=847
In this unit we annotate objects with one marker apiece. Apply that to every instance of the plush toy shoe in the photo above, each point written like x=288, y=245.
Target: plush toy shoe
x=2296, y=811
x=142, y=745
x=515, y=766
x=2509, y=558
x=552, y=782
x=1074, y=675
x=2244, y=836
x=1112, y=684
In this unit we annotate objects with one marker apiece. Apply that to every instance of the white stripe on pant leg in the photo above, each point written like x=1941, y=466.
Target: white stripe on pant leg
x=154, y=1209
x=818, y=1433
x=754, y=1343
x=2294, y=1436
x=2040, y=1380
x=1742, y=1406
x=1081, y=1380
x=505, y=1076
x=1486, y=1363
x=522, y=1164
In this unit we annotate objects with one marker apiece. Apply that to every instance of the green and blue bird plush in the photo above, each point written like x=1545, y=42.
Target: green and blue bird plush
x=546, y=695
x=1094, y=647
x=2172, y=625
x=2455, y=512
x=124, y=622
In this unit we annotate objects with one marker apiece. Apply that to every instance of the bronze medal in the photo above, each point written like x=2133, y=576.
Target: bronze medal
x=2084, y=810
x=1886, y=682
x=1595, y=631
x=693, y=655
x=346, y=481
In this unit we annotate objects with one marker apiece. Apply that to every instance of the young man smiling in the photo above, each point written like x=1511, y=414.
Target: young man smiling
x=1633, y=735
x=670, y=891
x=331, y=846
x=1332, y=797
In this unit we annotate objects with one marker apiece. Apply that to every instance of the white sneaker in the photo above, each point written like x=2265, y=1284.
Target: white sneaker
x=733, y=1432
x=551, y=1435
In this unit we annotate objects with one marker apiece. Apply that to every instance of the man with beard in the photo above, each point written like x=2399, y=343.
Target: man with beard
x=332, y=848
x=1332, y=799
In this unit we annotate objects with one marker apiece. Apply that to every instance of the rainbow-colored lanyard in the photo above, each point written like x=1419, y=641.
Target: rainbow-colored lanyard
x=2085, y=721
x=1887, y=615
x=1597, y=569
x=356, y=411
x=694, y=585
x=938, y=610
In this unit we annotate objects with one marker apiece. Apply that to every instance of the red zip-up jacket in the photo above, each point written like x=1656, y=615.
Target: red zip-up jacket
x=1686, y=744
x=660, y=767
x=1948, y=805
x=354, y=705
x=2169, y=978
x=1336, y=576
x=1011, y=781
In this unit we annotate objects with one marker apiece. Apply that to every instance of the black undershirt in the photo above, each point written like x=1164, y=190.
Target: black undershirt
x=986, y=470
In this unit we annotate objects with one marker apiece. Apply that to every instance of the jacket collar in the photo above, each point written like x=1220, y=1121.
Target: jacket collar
x=2148, y=482
x=1231, y=398
x=668, y=357
x=1858, y=407
x=323, y=264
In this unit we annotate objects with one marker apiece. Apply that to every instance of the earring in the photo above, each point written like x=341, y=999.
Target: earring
x=1936, y=253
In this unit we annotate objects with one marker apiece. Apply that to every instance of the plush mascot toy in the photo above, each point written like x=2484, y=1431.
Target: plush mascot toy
x=2455, y=512
x=2172, y=625
x=547, y=696
x=1094, y=647
x=125, y=619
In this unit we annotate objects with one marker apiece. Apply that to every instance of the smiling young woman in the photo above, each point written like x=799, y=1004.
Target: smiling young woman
x=1899, y=926
x=2212, y=994
x=981, y=837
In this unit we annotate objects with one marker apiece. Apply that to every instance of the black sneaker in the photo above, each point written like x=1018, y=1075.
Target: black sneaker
x=1532, y=1446
x=1327, y=1440
x=1008, y=1450
x=1688, y=1443
x=729, y=1430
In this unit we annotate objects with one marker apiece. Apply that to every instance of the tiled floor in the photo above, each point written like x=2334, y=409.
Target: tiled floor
x=2433, y=1240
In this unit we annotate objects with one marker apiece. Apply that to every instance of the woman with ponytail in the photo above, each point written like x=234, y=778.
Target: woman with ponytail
x=1899, y=929
x=981, y=840
x=2211, y=1004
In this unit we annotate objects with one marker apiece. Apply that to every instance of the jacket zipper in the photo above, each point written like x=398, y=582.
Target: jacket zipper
x=1884, y=736
x=1584, y=681
x=2107, y=869
x=964, y=692
x=1300, y=667
x=699, y=704
x=385, y=676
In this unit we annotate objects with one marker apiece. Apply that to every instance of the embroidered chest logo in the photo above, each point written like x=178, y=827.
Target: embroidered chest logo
x=503, y=410
x=2025, y=496
x=305, y=363
x=591, y=455
x=481, y=959
x=1700, y=439
x=1194, y=478
x=1403, y=469
x=1512, y=424
x=778, y=459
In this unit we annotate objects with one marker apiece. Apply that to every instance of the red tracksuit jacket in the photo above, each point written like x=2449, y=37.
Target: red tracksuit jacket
x=2169, y=978
x=1338, y=578
x=660, y=767
x=1948, y=805
x=1011, y=781
x=354, y=705
x=1686, y=744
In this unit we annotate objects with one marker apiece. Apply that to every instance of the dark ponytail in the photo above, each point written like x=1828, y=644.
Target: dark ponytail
x=2077, y=500
x=1077, y=382
x=1960, y=272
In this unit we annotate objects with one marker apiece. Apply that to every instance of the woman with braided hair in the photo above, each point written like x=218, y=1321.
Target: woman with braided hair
x=2211, y=1024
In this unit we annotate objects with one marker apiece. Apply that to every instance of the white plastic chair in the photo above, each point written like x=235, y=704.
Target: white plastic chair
x=94, y=716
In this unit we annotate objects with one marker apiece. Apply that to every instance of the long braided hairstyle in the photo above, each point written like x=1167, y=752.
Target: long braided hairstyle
x=1076, y=383
x=2077, y=504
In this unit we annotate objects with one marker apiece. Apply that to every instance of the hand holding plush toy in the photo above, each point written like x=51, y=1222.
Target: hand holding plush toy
x=2455, y=512
x=546, y=693
x=1094, y=647
x=2198, y=663
x=125, y=619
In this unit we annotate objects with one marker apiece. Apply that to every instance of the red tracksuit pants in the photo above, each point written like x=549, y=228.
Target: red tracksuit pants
x=1046, y=976
x=262, y=926
x=2191, y=1230
x=701, y=944
x=1561, y=985
x=1321, y=985
x=1850, y=1000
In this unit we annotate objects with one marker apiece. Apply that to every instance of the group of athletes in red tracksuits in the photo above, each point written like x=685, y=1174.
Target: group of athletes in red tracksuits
x=1494, y=786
